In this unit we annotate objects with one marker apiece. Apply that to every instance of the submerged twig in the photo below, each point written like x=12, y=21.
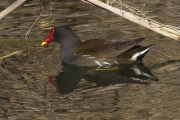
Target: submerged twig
x=50, y=11
x=13, y=53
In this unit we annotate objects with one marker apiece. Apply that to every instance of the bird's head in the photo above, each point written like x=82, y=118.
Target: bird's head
x=61, y=34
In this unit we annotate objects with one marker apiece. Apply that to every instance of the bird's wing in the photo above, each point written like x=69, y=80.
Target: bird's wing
x=105, y=49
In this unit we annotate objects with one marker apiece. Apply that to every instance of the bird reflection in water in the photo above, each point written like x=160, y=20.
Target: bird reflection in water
x=67, y=81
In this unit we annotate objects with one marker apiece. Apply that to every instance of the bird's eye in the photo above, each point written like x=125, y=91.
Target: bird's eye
x=56, y=33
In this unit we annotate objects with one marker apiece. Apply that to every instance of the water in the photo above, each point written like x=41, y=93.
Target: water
x=27, y=92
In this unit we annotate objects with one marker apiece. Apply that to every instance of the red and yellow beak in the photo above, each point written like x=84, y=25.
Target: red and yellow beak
x=48, y=39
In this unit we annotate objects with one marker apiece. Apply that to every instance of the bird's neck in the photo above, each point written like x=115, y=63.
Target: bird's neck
x=67, y=49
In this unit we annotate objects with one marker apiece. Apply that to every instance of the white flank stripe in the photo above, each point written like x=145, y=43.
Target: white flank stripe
x=97, y=62
x=86, y=55
x=91, y=57
x=106, y=63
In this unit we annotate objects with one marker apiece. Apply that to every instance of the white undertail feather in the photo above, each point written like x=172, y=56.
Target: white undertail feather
x=138, y=54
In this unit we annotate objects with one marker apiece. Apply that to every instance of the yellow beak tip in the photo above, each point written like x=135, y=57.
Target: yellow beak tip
x=44, y=44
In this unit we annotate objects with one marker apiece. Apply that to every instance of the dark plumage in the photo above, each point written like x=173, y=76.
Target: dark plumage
x=95, y=52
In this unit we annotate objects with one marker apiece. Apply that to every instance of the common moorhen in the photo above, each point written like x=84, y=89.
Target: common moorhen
x=95, y=52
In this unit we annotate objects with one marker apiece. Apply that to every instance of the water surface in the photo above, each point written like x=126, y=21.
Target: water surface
x=27, y=94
